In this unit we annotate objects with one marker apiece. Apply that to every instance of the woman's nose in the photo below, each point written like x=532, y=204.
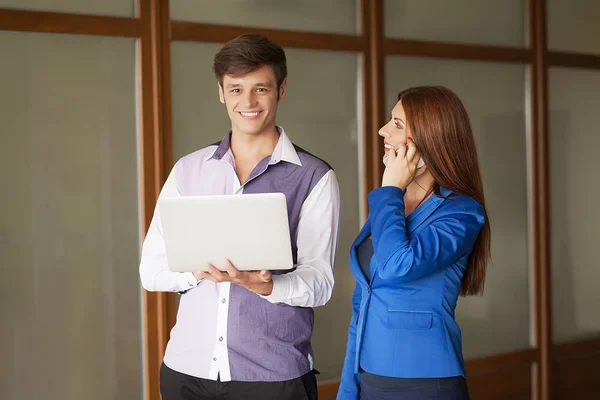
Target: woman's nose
x=382, y=131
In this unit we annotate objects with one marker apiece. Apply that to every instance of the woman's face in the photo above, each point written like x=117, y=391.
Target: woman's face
x=396, y=132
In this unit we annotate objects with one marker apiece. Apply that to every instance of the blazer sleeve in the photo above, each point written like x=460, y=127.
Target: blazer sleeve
x=350, y=382
x=443, y=242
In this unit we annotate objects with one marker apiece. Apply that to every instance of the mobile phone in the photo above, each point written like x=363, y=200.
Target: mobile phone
x=419, y=164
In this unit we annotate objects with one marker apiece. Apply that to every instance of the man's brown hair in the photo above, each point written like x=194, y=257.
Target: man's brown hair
x=248, y=53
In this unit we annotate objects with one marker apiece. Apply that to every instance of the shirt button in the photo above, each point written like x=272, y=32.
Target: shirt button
x=214, y=358
x=223, y=301
x=221, y=339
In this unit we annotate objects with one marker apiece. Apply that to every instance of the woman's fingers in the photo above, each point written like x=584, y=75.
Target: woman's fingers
x=411, y=151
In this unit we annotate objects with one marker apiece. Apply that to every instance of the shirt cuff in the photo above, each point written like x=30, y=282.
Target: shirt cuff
x=187, y=281
x=282, y=285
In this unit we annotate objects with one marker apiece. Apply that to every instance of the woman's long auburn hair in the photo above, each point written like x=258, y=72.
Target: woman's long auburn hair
x=442, y=132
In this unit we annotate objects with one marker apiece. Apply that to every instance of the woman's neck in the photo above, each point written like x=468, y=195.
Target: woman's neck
x=418, y=191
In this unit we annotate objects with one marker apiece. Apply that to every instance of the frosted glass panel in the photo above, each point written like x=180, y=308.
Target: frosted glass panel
x=333, y=16
x=496, y=22
x=320, y=115
x=199, y=119
x=124, y=8
x=575, y=218
x=494, y=95
x=573, y=25
x=69, y=225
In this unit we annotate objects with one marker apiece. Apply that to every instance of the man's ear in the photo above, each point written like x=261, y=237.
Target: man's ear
x=283, y=89
x=221, y=96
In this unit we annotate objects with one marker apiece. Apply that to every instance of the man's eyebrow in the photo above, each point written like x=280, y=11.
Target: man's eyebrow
x=267, y=84
x=236, y=85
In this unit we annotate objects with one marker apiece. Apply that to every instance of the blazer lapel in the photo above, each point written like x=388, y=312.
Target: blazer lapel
x=420, y=215
x=354, y=264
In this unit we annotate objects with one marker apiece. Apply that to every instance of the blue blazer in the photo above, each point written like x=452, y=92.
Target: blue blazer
x=403, y=314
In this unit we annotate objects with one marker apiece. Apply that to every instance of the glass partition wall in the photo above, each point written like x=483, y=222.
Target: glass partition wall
x=101, y=99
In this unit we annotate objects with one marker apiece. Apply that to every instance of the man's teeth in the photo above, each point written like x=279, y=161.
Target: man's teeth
x=249, y=114
x=388, y=146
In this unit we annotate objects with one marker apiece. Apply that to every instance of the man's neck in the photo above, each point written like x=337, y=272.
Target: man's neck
x=248, y=150
x=254, y=147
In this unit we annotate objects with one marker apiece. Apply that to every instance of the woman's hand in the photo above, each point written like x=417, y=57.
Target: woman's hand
x=401, y=166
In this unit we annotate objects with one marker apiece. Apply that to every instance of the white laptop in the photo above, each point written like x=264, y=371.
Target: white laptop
x=250, y=230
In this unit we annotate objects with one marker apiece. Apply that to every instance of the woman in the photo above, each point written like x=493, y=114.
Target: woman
x=426, y=240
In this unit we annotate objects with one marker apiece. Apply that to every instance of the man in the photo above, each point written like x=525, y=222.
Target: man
x=246, y=334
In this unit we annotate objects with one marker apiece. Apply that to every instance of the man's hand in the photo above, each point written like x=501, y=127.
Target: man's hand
x=259, y=282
